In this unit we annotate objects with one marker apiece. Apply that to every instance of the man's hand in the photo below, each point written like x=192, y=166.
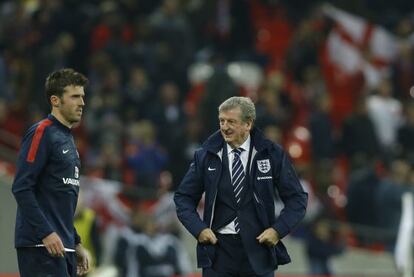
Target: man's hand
x=269, y=237
x=83, y=258
x=207, y=236
x=54, y=245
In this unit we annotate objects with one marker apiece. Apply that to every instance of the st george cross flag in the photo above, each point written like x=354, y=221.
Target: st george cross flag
x=355, y=45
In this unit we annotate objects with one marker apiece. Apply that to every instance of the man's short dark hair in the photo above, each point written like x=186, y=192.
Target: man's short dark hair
x=58, y=80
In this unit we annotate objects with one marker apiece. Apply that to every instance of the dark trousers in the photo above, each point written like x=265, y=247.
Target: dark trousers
x=37, y=262
x=230, y=259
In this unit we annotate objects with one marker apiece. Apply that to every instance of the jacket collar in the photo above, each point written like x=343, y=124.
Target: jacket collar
x=58, y=123
x=215, y=142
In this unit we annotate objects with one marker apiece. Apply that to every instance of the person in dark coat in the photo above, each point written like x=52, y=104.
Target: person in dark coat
x=240, y=171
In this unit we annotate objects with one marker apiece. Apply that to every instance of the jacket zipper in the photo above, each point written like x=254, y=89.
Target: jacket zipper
x=215, y=195
x=212, y=211
x=256, y=198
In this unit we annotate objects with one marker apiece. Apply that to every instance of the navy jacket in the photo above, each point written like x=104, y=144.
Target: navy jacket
x=270, y=170
x=46, y=185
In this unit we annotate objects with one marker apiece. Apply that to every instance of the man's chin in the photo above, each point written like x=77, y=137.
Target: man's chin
x=227, y=139
x=75, y=121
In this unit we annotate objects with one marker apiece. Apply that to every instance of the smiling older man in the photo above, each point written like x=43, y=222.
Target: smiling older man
x=239, y=171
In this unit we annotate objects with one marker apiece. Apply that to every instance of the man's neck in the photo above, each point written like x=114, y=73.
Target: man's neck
x=237, y=145
x=61, y=119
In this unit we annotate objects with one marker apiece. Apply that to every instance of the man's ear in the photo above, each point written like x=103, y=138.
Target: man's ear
x=55, y=101
x=250, y=122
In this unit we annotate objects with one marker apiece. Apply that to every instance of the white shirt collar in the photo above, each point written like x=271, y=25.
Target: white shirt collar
x=245, y=146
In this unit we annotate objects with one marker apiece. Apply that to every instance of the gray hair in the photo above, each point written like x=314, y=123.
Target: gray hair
x=248, y=110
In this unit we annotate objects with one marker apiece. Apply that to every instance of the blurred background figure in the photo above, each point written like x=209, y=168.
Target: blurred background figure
x=389, y=200
x=405, y=135
x=359, y=139
x=323, y=241
x=142, y=251
x=86, y=223
x=386, y=113
x=145, y=157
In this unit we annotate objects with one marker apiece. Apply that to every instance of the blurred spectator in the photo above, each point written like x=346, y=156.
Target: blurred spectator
x=105, y=106
x=105, y=161
x=10, y=125
x=218, y=88
x=86, y=223
x=111, y=29
x=142, y=50
x=322, y=177
x=322, y=243
x=386, y=113
x=143, y=154
x=273, y=105
x=403, y=71
x=361, y=208
x=50, y=57
x=5, y=92
x=274, y=133
x=405, y=135
x=359, y=140
x=303, y=50
x=168, y=115
x=192, y=141
x=98, y=65
x=174, y=42
x=107, y=88
x=139, y=95
x=303, y=93
x=223, y=27
x=388, y=199
x=144, y=252
x=163, y=210
x=323, y=141
x=105, y=132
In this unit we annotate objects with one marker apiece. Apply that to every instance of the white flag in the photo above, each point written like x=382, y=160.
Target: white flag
x=404, y=248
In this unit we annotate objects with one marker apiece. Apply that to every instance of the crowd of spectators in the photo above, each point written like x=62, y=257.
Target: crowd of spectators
x=145, y=115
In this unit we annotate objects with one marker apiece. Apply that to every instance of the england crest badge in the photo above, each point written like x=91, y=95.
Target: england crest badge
x=263, y=165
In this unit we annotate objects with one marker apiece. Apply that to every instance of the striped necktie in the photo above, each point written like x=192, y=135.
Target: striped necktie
x=237, y=180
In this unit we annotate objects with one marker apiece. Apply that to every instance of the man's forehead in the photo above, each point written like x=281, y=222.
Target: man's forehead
x=74, y=89
x=231, y=114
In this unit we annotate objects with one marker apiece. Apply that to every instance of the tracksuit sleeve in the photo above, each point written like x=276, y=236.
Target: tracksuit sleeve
x=31, y=161
x=293, y=196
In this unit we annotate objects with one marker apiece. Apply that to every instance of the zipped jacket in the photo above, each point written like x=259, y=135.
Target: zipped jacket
x=270, y=171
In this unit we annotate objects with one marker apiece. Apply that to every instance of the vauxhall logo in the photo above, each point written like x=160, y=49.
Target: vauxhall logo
x=72, y=181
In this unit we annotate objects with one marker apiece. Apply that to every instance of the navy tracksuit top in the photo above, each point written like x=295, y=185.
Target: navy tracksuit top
x=46, y=185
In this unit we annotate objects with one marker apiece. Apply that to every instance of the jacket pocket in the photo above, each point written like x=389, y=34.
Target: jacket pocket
x=280, y=254
x=205, y=255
